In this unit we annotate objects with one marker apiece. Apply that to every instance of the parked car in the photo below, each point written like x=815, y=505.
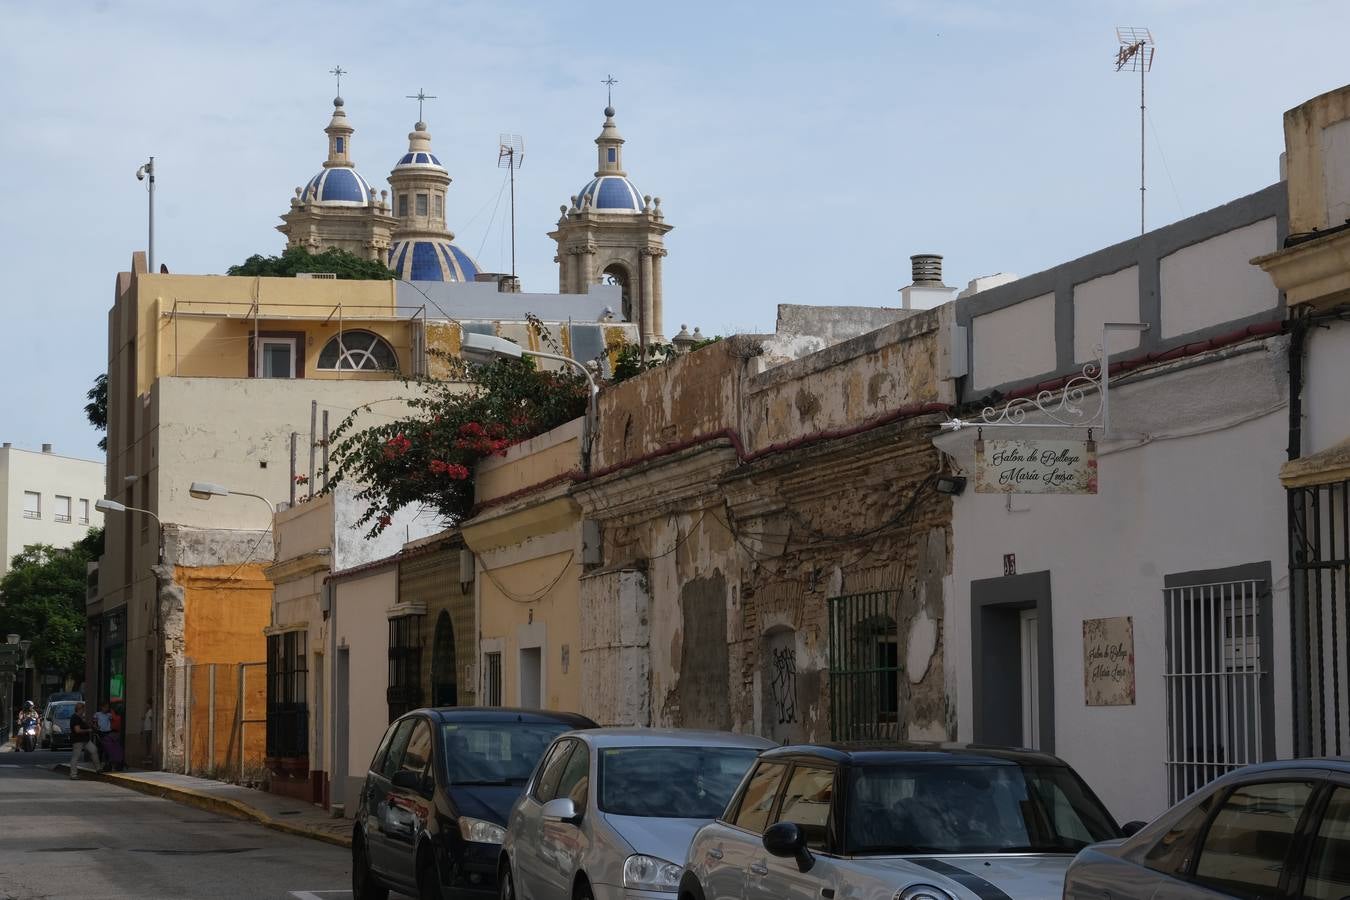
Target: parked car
x=909, y=822
x=610, y=812
x=432, y=813
x=56, y=724
x=1274, y=830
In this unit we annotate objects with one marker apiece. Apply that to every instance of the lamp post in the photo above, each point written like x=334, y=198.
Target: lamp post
x=205, y=490
x=487, y=348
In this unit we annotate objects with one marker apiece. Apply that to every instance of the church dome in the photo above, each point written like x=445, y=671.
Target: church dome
x=413, y=160
x=338, y=186
x=611, y=192
x=431, y=259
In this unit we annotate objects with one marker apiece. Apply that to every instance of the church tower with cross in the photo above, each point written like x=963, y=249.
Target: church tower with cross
x=610, y=232
x=337, y=207
x=422, y=248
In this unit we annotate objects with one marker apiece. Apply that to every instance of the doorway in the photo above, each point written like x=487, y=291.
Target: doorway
x=1012, y=661
x=444, y=686
x=1031, y=713
x=531, y=677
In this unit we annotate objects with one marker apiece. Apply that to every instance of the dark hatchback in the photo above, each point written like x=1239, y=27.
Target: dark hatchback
x=433, y=811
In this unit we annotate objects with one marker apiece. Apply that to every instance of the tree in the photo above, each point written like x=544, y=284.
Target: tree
x=429, y=456
x=97, y=408
x=297, y=259
x=43, y=597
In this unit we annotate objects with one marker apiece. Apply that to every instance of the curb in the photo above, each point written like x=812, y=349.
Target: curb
x=203, y=801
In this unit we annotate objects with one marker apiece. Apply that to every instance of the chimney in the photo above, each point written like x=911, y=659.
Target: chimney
x=927, y=290
x=46, y=448
x=7, y=445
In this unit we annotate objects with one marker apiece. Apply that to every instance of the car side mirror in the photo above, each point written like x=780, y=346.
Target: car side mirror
x=561, y=809
x=786, y=839
x=409, y=781
x=1129, y=829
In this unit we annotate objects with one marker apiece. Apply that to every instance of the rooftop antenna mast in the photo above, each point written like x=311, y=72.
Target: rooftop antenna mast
x=1135, y=54
x=510, y=154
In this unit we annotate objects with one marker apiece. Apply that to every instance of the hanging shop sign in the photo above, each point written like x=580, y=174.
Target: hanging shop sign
x=1035, y=467
x=1108, y=661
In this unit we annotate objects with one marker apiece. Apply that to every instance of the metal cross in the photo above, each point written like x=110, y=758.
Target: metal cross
x=338, y=72
x=420, y=96
x=609, y=90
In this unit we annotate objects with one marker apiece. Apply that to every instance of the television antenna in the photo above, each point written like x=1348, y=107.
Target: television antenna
x=1135, y=54
x=510, y=154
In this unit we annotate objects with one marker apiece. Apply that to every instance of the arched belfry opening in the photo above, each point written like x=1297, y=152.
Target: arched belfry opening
x=444, y=687
x=619, y=275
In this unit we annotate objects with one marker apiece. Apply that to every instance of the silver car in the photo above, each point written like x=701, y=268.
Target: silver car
x=609, y=813
x=1273, y=830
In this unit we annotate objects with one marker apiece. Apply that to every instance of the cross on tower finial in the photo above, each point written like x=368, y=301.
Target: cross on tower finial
x=609, y=83
x=420, y=96
x=337, y=72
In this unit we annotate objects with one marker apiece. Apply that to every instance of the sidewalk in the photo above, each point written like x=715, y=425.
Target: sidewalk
x=279, y=813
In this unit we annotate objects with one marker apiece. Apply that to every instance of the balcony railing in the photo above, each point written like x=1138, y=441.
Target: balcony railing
x=31, y=514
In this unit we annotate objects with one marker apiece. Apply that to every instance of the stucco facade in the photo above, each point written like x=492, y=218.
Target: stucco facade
x=46, y=498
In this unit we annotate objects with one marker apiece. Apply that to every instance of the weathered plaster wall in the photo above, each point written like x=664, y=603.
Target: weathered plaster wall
x=359, y=604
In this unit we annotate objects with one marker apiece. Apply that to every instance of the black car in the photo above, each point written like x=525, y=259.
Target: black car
x=434, y=807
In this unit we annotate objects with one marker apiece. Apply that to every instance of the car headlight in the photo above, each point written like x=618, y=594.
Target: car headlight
x=922, y=892
x=648, y=873
x=479, y=832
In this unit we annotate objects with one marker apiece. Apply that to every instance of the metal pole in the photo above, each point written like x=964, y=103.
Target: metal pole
x=313, y=429
x=512, y=162
x=239, y=722
x=150, y=171
x=211, y=720
x=187, y=725
x=1142, y=69
x=294, y=438
x=324, y=451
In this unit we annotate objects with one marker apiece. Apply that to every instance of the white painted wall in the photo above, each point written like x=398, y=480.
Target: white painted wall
x=1326, y=404
x=1029, y=328
x=359, y=605
x=1172, y=505
x=50, y=476
x=1212, y=282
x=1109, y=298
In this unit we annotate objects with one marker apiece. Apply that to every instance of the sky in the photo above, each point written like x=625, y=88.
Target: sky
x=802, y=150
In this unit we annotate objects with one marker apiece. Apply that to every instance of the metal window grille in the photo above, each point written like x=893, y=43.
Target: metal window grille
x=492, y=679
x=405, y=665
x=1214, y=679
x=1319, y=591
x=287, y=686
x=864, y=666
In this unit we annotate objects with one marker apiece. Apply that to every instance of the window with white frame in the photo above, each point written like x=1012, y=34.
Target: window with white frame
x=361, y=351
x=32, y=505
x=62, y=513
x=84, y=511
x=276, y=357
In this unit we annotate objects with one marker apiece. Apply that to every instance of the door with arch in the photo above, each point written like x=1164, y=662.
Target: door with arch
x=444, y=687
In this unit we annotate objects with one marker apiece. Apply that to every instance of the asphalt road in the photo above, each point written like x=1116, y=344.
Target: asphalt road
x=82, y=839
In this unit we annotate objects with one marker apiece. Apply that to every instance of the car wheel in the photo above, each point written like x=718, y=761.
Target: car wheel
x=506, y=885
x=428, y=882
x=364, y=886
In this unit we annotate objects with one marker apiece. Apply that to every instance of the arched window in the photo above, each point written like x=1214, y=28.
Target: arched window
x=617, y=274
x=361, y=351
x=444, y=690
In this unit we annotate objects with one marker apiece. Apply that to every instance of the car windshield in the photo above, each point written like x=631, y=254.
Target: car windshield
x=503, y=753
x=972, y=809
x=671, y=782
x=62, y=711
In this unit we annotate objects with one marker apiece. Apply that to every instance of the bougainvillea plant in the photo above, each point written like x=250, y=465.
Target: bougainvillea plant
x=428, y=456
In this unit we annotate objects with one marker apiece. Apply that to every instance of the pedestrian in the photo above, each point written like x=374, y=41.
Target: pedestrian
x=81, y=740
x=147, y=729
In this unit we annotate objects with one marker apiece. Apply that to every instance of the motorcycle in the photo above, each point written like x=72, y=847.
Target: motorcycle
x=28, y=735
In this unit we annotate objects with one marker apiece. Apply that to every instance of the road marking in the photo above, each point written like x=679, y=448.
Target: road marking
x=318, y=895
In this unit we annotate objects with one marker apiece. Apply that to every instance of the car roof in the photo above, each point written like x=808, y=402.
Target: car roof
x=1311, y=763
x=505, y=714
x=670, y=737
x=869, y=753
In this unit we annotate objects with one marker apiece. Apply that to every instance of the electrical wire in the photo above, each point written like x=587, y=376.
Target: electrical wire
x=538, y=595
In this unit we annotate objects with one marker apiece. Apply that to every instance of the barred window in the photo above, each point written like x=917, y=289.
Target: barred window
x=287, y=684
x=405, y=665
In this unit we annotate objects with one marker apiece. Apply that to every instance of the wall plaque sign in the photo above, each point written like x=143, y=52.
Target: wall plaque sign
x=1035, y=467
x=1108, y=661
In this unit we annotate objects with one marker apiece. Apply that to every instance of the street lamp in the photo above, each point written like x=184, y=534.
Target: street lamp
x=487, y=348
x=112, y=506
x=205, y=490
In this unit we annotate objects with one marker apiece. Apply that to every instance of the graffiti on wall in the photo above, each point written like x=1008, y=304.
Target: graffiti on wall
x=783, y=684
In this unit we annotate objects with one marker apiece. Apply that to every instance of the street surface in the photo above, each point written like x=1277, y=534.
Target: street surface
x=81, y=839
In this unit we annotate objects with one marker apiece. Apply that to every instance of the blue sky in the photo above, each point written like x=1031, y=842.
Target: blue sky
x=801, y=150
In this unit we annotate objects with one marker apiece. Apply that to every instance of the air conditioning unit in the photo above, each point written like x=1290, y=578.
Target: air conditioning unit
x=329, y=275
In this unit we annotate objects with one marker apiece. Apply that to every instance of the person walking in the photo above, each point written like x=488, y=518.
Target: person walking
x=81, y=740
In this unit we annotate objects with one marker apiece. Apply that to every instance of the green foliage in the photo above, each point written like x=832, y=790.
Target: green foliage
x=429, y=456
x=43, y=597
x=97, y=408
x=297, y=259
x=629, y=362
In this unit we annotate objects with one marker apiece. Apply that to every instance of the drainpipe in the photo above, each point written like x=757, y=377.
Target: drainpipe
x=1298, y=342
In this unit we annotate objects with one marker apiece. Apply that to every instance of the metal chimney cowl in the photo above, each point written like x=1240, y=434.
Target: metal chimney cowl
x=926, y=268
x=927, y=290
x=46, y=448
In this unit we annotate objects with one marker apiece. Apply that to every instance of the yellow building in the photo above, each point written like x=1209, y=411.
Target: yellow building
x=528, y=547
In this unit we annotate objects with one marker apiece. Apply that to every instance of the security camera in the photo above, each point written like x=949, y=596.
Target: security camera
x=140, y=174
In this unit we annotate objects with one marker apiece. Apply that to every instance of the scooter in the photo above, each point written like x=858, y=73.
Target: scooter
x=28, y=735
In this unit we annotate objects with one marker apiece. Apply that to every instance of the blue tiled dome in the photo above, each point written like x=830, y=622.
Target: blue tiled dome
x=611, y=192
x=431, y=259
x=338, y=186
x=418, y=159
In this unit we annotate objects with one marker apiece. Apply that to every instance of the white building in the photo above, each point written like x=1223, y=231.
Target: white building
x=46, y=499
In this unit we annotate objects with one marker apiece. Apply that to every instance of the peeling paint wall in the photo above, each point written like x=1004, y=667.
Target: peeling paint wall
x=615, y=638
